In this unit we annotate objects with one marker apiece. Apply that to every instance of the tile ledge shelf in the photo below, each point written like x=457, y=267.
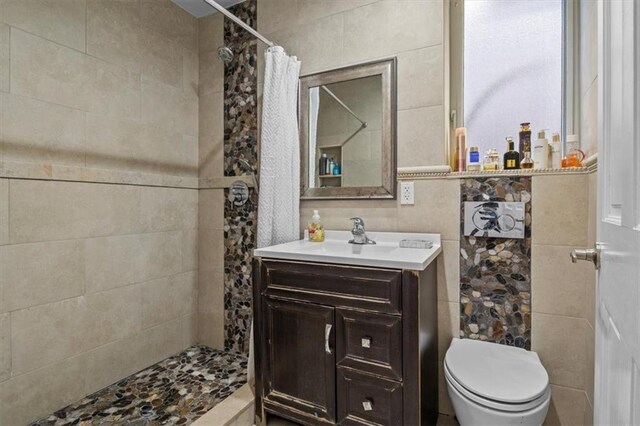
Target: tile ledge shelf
x=56, y=172
x=444, y=171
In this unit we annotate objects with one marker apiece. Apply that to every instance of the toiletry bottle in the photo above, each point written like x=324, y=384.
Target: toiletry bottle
x=525, y=139
x=555, y=151
x=460, y=163
x=527, y=162
x=541, y=151
x=322, y=170
x=336, y=168
x=511, y=157
x=329, y=166
x=574, y=155
x=316, y=228
x=473, y=162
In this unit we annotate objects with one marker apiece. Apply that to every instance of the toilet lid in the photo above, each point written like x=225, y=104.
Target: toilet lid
x=498, y=372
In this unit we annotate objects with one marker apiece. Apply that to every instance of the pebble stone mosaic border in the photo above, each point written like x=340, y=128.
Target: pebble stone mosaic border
x=240, y=142
x=175, y=391
x=495, y=273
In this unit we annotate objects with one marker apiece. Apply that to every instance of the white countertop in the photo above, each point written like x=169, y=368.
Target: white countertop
x=386, y=253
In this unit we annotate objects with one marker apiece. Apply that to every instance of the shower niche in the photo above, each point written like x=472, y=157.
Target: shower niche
x=348, y=132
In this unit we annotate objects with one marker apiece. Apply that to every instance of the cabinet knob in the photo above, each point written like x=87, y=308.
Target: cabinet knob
x=366, y=342
x=367, y=405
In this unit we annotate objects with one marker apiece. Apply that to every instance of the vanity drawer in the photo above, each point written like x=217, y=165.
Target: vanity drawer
x=366, y=400
x=373, y=289
x=369, y=342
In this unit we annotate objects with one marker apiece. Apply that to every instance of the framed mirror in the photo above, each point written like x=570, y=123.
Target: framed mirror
x=348, y=132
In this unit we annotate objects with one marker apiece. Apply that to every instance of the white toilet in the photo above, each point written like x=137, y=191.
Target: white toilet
x=492, y=384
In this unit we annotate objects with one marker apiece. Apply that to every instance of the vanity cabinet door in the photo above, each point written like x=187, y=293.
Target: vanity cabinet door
x=301, y=374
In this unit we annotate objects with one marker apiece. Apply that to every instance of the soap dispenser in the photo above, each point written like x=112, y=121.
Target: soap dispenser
x=316, y=228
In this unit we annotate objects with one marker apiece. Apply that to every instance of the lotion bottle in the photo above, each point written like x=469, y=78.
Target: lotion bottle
x=541, y=151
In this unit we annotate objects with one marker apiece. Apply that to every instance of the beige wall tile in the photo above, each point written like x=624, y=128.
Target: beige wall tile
x=210, y=32
x=421, y=78
x=190, y=72
x=5, y=56
x=161, y=58
x=111, y=362
x=168, y=19
x=210, y=330
x=29, y=397
x=168, y=107
x=211, y=248
x=421, y=137
x=189, y=250
x=211, y=73
x=211, y=208
x=48, y=71
x=4, y=211
x=168, y=298
x=211, y=111
x=5, y=347
x=377, y=215
x=590, y=364
x=274, y=15
x=550, y=332
x=113, y=32
x=35, y=131
x=60, y=21
x=444, y=405
x=42, y=211
x=436, y=209
x=560, y=213
x=311, y=10
x=211, y=292
x=567, y=407
x=382, y=28
x=121, y=260
x=211, y=307
x=168, y=209
x=588, y=44
x=449, y=272
x=557, y=285
x=589, y=120
x=49, y=333
x=46, y=334
x=593, y=209
x=189, y=330
x=33, y=274
x=448, y=325
x=317, y=44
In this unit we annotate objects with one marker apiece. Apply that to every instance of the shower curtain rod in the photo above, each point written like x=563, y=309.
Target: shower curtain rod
x=266, y=41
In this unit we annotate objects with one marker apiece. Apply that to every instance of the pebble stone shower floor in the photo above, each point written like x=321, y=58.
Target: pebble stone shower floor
x=175, y=391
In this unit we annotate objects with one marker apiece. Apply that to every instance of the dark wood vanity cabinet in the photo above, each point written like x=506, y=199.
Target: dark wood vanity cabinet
x=337, y=344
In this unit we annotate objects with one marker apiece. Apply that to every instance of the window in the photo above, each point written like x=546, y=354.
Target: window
x=508, y=62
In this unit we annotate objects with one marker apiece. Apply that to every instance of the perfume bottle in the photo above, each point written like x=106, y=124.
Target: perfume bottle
x=525, y=139
x=491, y=160
x=473, y=162
x=511, y=157
x=527, y=161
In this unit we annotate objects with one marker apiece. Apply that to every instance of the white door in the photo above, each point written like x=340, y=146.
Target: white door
x=617, y=382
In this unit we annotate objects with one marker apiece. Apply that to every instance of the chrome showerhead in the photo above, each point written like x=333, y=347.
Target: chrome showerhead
x=225, y=53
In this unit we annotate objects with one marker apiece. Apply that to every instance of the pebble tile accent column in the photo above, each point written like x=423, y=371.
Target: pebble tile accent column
x=240, y=142
x=495, y=273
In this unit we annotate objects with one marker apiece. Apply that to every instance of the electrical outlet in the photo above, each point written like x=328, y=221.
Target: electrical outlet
x=406, y=193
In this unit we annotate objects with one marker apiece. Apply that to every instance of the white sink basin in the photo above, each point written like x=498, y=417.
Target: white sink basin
x=335, y=249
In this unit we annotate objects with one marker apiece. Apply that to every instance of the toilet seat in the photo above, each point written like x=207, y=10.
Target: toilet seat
x=496, y=376
x=493, y=404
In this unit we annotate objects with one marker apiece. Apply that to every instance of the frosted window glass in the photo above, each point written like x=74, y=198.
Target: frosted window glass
x=512, y=69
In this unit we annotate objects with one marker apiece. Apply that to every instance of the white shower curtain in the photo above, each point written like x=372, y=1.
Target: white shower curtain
x=279, y=199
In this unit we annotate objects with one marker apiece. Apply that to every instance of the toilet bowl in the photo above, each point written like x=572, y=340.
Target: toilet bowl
x=492, y=384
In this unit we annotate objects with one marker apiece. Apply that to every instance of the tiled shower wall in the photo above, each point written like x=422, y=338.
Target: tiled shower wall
x=98, y=195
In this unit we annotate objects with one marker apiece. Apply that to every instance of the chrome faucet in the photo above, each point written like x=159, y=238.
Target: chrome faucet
x=359, y=236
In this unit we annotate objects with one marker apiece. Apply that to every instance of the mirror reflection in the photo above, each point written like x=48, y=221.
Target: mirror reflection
x=345, y=133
